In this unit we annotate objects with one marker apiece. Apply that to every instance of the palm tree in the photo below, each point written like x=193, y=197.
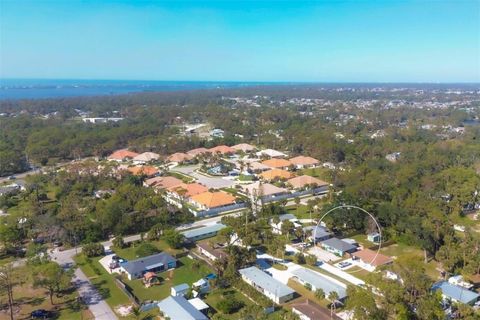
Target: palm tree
x=333, y=297
x=320, y=294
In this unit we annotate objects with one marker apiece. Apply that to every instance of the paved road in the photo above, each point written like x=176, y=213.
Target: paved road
x=210, y=182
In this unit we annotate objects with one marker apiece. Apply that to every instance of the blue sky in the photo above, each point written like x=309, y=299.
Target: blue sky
x=324, y=41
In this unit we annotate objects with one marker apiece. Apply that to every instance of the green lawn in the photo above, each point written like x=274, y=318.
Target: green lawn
x=400, y=249
x=300, y=211
x=129, y=253
x=321, y=173
x=305, y=293
x=217, y=295
x=362, y=239
x=103, y=281
x=185, y=273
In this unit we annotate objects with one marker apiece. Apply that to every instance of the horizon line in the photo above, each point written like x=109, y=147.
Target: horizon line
x=250, y=81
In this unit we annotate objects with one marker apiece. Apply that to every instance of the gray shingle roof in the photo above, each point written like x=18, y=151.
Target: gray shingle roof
x=339, y=244
x=142, y=264
x=178, y=308
x=264, y=281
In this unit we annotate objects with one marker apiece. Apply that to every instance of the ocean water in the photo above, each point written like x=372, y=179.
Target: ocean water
x=14, y=89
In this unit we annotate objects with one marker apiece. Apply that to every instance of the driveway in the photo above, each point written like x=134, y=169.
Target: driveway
x=209, y=182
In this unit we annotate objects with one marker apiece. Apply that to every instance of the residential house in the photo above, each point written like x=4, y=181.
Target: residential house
x=338, y=247
x=222, y=149
x=122, y=155
x=179, y=308
x=182, y=192
x=260, y=189
x=179, y=157
x=309, y=310
x=211, y=253
x=277, y=227
x=201, y=286
x=277, y=163
x=370, y=260
x=271, y=153
x=304, y=181
x=203, y=232
x=302, y=162
x=456, y=293
x=217, y=133
x=276, y=174
x=374, y=237
x=268, y=286
x=160, y=183
x=244, y=147
x=198, y=151
x=316, y=280
x=146, y=157
x=179, y=290
x=317, y=233
x=159, y=262
x=257, y=167
x=199, y=304
x=209, y=200
x=143, y=171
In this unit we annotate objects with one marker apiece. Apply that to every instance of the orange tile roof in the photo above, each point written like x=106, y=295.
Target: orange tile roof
x=222, y=149
x=214, y=199
x=143, y=170
x=304, y=161
x=197, y=151
x=368, y=256
x=122, y=154
x=277, y=163
x=179, y=157
x=302, y=181
x=163, y=182
x=188, y=189
x=276, y=173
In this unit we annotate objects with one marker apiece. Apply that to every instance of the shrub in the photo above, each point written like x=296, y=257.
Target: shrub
x=146, y=249
x=229, y=305
x=118, y=242
x=300, y=258
x=93, y=250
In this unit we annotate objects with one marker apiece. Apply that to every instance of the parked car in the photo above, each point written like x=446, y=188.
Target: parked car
x=41, y=314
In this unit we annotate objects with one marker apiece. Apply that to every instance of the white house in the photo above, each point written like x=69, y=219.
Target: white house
x=268, y=286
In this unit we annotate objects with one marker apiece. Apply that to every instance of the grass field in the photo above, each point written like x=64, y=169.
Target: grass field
x=27, y=298
x=129, y=253
x=185, y=273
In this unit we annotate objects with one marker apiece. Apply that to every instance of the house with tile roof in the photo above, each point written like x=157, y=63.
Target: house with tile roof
x=146, y=157
x=302, y=162
x=275, y=174
x=260, y=189
x=271, y=153
x=198, y=151
x=122, y=155
x=257, y=167
x=209, y=200
x=277, y=163
x=187, y=190
x=179, y=157
x=148, y=171
x=244, y=147
x=222, y=149
x=304, y=181
x=160, y=183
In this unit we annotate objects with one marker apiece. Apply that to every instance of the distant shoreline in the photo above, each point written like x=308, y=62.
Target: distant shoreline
x=19, y=89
